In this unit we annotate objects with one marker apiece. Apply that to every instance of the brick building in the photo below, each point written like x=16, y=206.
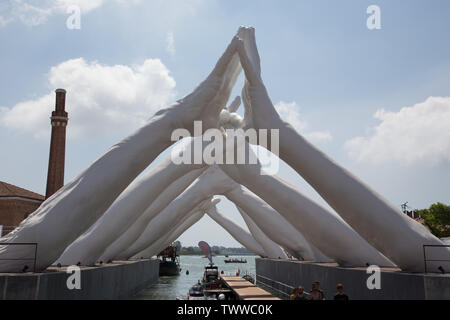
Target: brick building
x=17, y=203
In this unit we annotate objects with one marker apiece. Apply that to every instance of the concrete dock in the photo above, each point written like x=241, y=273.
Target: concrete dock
x=246, y=290
x=283, y=275
x=117, y=280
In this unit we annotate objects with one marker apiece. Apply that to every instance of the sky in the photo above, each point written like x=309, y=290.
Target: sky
x=377, y=101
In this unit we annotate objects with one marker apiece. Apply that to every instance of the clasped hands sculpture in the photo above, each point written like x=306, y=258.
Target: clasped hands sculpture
x=74, y=209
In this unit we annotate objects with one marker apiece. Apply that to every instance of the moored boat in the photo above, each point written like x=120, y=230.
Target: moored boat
x=169, y=262
x=235, y=261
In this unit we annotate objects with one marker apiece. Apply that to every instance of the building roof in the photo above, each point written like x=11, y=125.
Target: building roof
x=9, y=190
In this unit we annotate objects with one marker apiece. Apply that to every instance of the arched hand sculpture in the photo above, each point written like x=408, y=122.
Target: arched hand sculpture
x=238, y=233
x=322, y=228
x=128, y=216
x=72, y=210
x=212, y=181
x=373, y=217
x=99, y=190
x=272, y=250
x=152, y=245
x=274, y=225
x=174, y=235
x=138, y=227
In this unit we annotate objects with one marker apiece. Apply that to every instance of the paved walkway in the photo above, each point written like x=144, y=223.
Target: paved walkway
x=246, y=290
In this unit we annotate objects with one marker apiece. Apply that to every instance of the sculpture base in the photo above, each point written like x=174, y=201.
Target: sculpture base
x=280, y=276
x=118, y=280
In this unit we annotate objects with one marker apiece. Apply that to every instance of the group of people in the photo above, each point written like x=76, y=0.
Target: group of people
x=317, y=294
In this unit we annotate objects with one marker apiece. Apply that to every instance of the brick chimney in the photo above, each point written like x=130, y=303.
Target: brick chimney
x=59, y=118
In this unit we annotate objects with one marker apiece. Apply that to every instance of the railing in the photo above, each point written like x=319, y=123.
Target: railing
x=258, y=281
x=21, y=259
x=434, y=260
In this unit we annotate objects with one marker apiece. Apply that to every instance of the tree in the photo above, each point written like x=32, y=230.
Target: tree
x=437, y=219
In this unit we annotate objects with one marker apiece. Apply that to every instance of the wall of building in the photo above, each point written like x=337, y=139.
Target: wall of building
x=115, y=281
x=281, y=275
x=14, y=210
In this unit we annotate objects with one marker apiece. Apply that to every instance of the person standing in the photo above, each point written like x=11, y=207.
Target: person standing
x=300, y=294
x=340, y=295
x=316, y=293
x=294, y=294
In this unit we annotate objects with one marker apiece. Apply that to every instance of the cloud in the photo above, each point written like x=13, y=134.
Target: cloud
x=416, y=134
x=290, y=112
x=36, y=12
x=170, y=43
x=100, y=99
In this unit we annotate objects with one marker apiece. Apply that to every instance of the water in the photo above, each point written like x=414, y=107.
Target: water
x=169, y=288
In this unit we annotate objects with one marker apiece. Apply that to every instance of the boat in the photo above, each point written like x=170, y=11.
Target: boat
x=235, y=261
x=196, y=292
x=169, y=262
x=211, y=286
x=211, y=278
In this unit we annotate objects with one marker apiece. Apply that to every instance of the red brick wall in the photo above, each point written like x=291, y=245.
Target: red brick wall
x=13, y=211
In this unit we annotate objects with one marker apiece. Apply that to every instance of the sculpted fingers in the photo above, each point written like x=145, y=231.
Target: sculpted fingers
x=223, y=62
x=247, y=65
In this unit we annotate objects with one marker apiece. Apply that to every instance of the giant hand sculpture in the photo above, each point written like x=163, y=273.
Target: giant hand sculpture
x=73, y=209
x=322, y=228
x=212, y=181
x=155, y=245
x=272, y=250
x=129, y=207
x=174, y=235
x=274, y=225
x=394, y=234
x=138, y=227
x=238, y=233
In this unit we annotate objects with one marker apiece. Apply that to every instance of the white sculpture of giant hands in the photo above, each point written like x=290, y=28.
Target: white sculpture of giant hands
x=379, y=222
x=271, y=223
x=75, y=207
x=322, y=228
x=174, y=235
x=274, y=225
x=238, y=233
x=272, y=250
x=212, y=181
x=138, y=227
x=128, y=216
x=153, y=245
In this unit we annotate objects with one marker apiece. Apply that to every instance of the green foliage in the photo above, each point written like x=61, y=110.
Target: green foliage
x=437, y=219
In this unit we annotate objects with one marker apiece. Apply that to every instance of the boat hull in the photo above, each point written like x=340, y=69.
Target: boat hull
x=168, y=268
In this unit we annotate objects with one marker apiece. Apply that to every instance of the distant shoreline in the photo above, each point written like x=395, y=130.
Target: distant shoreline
x=219, y=255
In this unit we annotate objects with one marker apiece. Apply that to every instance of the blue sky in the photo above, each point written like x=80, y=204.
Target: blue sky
x=318, y=58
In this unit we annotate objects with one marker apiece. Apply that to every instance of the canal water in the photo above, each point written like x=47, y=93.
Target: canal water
x=169, y=288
